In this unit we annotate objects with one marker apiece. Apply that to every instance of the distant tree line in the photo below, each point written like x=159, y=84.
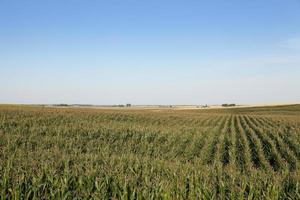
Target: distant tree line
x=228, y=105
x=121, y=105
x=62, y=104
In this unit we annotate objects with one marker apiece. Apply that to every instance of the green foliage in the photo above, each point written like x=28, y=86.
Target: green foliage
x=55, y=153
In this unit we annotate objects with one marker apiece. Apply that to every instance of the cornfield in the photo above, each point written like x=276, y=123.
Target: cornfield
x=239, y=153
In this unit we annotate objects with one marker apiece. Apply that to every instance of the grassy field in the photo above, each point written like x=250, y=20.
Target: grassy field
x=243, y=153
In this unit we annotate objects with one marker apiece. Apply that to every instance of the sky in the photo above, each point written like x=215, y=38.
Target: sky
x=149, y=52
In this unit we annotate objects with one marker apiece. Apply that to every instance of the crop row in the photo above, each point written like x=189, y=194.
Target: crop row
x=48, y=153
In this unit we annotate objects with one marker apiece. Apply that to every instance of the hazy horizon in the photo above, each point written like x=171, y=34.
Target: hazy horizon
x=149, y=53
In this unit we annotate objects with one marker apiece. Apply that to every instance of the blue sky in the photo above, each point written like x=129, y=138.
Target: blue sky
x=149, y=52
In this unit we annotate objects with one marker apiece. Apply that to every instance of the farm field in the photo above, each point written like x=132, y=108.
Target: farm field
x=72, y=153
